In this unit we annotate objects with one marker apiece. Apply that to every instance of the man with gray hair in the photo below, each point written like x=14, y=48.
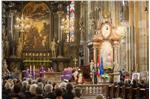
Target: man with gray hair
x=32, y=90
x=48, y=88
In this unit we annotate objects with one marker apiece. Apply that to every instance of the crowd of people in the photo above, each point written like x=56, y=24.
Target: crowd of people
x=134, y=83
x=125, y=80
x=38, y=89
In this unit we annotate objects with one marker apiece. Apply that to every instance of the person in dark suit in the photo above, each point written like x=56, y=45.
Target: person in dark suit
x=69, y=94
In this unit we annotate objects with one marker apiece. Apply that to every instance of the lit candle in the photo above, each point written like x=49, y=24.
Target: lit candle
x=30, y=69
x=34, y=71
x=34, y=68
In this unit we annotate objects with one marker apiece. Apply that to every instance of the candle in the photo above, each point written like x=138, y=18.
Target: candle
x=30, y=69
x=34, y=68
x=34, y=71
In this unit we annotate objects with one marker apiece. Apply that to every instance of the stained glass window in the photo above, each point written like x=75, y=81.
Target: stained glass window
x=69, y=22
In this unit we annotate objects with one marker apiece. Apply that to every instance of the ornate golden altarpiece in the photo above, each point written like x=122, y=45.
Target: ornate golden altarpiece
x=36, y=39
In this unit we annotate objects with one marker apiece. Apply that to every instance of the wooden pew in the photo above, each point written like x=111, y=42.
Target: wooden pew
x=117, y=91
x=142, y=93
x=112, y=91
x=128, y=93
x=135, y=93
x=147, y=93
x=109, y=92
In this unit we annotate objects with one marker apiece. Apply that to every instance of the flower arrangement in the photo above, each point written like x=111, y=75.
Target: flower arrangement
x=108, y=69
x=105, y=77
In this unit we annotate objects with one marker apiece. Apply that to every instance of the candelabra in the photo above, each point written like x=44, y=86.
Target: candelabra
x=22, y=23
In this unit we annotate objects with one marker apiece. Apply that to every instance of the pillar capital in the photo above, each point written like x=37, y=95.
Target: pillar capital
x=60, y=13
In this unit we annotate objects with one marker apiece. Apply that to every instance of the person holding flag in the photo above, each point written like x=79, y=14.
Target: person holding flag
x=103, y=75
x=101, y=70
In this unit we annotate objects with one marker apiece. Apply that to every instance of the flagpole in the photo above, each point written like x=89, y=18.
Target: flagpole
x=95, y=76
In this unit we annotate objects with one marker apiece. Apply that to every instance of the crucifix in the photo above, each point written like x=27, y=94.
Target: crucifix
x=75, y=61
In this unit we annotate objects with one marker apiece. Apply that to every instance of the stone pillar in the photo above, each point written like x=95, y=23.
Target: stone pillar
x=94, y=54
x=135, y=22
x=116, y=57
x=113, y=12
x=12, y=33
x=147, y=34
x=50, y=27
x=131, y=16
x=12, y=24
x=117, y=7
x=55, y=25
x=60, y=13
x=143, y=33
x=77, y=32
x=145, y=16
x=88, y=23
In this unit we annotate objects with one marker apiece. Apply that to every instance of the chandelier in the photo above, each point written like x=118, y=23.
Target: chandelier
x=22, y=23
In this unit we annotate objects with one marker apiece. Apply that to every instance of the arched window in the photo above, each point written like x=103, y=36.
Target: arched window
x=68, y=23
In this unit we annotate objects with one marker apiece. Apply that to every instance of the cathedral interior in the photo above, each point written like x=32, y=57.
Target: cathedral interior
x=106, y=41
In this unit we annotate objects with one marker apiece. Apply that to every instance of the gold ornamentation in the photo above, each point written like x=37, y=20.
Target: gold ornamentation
x=106, y=14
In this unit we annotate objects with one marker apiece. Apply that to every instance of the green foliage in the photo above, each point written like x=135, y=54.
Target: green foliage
x=105, y=76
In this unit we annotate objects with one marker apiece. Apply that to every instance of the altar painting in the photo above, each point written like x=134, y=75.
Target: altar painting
x=37, y=36
x=107, y=54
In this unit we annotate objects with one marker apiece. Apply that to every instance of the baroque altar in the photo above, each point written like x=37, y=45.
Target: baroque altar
x=103, y=45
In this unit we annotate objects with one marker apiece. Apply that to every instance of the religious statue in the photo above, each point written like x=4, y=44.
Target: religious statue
x=92, y=66
x=44, y=41
x=5, y=69
x=53, y=48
